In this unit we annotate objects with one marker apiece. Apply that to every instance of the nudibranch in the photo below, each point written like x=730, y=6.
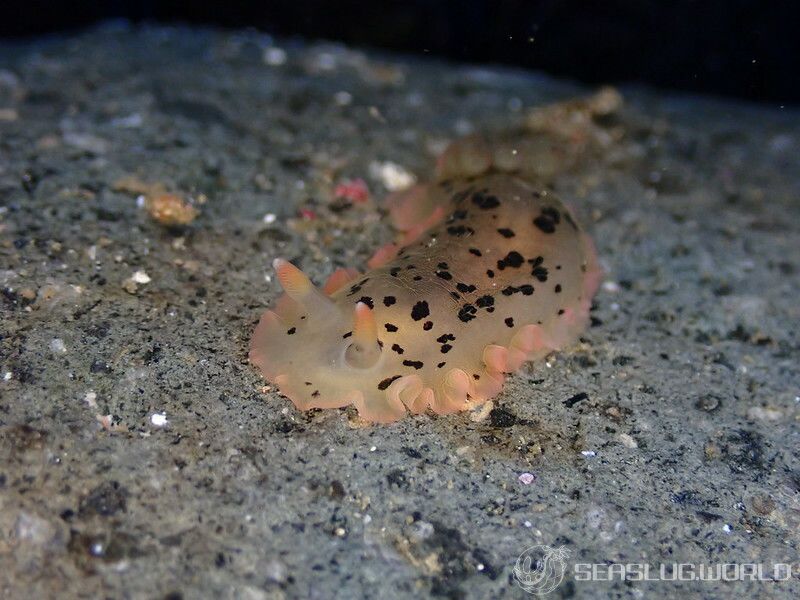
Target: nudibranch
x=492, y=270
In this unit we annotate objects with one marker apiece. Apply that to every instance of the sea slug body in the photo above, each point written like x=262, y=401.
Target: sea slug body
x=492, y=271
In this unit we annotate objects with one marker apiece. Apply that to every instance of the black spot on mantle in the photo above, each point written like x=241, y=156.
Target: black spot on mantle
x=513, y=259
x=420, y=310
x=467, y=313
x=387, y=382
x=484, y=201
x=460, y=230
x=547, y=220
x=417, y=364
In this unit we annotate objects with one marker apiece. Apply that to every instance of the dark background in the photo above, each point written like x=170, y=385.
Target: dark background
x=742, y=48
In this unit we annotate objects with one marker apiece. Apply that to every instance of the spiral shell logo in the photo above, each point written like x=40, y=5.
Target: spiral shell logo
x=540, y=569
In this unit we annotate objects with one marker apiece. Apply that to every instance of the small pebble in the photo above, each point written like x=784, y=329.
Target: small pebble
x=391, y=175
x=463, y=127
x=325, y=61
x=276, y=571
x=343, y=98
x=86, y=142
x=764, y=413
x=133, y=121
x=140, y=277
x=57, y=346
x=159, y=419
x=91, y=399
x=527, y=478
x=274, y=57
x=170, y=209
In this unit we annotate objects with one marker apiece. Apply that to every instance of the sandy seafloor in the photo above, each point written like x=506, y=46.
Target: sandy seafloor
x=139, y=456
